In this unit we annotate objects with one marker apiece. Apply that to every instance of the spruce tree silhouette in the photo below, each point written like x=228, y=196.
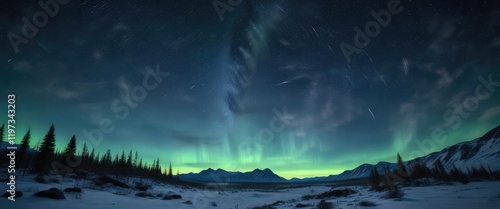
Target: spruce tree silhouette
x=46, y=153
x=374, y=179
x=2, y=129
x=85, y=156
x=23, y=149
x=70, y=153
x=170, y=171
x=71, y=147
x=402, y=171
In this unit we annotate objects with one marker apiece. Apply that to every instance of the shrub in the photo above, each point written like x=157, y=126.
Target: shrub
x=144, y=194
x=325, y=205
x=378, y=188
x=105, y=179
x=395, y=193
x=73, y=189
x=52, y=193
x=141, y=186
x=331, y=193
x=302, y=205
x=374, y=179
x=265, y=207
x=41, y=180
x=56, y=181
x=171, y=196
x=80, y=174
x=366, y=203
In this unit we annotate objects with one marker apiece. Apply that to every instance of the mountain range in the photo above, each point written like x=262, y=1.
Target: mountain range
x=483, y=151
x=219, y=175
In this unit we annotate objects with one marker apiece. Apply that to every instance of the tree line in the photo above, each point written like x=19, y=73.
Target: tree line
x=45, y=158
x=420, y=171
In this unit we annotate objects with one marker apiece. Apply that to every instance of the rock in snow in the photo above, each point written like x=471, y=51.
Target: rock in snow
x=53, y=193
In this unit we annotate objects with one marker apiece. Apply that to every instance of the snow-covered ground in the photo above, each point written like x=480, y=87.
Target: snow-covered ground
x=480, y=195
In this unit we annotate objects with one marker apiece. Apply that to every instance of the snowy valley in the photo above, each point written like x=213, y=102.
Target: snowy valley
x=262, y=189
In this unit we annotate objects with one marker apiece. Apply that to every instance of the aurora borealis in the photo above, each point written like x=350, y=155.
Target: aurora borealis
x=429, y=79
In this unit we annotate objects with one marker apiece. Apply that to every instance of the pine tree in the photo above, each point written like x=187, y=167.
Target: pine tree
x=70, y=150
x=170, y=171
x=106, y=161
x=70, y=153
x=23, y=149
x=122, y=158
x=139, y=168
x=129, y=164
x=85, y=156
x=91, y=160
x=116, y=161
x=135, y=159
x=157, y=169
x=97, y=163
x=107, y=157
x=416, y=171
x=402, y=171
x=46, y=153
x=2, y=129
x=374, y=178
x=134, y=164
x=85, y=151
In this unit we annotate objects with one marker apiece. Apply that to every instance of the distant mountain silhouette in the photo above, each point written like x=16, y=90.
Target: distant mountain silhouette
x=483, y=151
x=222, y=176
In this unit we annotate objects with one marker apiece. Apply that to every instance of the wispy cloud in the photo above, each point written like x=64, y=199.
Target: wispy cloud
x=446, y=77
x=76, y=90
x=64, y=93
x=490, y=113
x=124, y=88
x=187, y=138
x=442, y=29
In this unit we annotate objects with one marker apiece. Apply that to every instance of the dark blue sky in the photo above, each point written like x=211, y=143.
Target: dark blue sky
x=267, y=86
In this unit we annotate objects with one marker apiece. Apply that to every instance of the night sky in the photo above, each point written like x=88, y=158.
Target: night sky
x=265, y=86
